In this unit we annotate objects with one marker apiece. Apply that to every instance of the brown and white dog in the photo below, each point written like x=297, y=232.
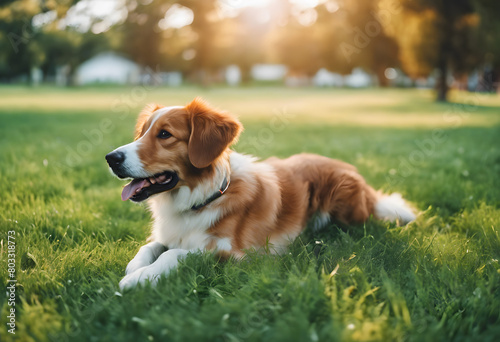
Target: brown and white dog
x=204, y=196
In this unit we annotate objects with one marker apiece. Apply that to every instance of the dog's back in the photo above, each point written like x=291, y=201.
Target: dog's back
x=333, y=188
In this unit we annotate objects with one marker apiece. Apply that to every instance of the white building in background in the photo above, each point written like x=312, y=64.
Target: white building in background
x=233, y=75
x=268, y=72
x=108, y=67
x=358, y=79
x=170, y=78
x=325, y=78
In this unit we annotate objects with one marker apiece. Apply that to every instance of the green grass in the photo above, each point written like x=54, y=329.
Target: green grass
x=437, y=279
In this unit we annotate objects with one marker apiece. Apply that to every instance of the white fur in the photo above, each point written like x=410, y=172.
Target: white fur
x=182, y=231
x=241, y=162
x=186, y=229
x=224, y=244
x=176, y=224
x=147, y=254
x=319, y=220
x=152, y=273
x=132, y=161
x=164, y=110
x=392, y=208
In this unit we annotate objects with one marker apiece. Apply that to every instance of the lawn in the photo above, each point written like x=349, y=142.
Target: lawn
x=437, y=279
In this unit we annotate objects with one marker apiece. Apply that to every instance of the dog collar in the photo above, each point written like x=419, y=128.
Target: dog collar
x=216, y=195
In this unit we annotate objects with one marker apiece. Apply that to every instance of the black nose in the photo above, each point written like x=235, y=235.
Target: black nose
x=115, y=158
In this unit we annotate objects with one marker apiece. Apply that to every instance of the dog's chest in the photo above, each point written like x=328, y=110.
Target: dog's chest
x=187, y=230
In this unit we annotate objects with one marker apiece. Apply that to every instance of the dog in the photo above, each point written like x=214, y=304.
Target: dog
x=204, y=196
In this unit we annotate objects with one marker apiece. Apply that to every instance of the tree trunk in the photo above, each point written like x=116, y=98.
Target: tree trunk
x=246, y=75
x=442, y=82
x=383, y=82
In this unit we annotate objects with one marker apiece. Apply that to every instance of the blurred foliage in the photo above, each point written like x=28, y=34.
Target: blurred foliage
x=450, y=36
x=20, y=44
x=420, y=36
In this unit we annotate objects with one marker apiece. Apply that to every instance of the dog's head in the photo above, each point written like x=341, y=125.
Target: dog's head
x=173, y=146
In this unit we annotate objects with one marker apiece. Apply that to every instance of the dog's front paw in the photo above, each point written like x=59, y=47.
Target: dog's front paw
x=138, y=277
x=146, y=256
x=135, y=264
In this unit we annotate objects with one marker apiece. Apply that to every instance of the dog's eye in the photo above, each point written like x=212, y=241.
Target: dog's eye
x=164, y=134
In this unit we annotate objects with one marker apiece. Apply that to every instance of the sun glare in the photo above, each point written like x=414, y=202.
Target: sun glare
x=301, y=4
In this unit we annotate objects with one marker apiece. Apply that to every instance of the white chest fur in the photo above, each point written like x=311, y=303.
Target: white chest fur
x=177, y=226
x=186, y=229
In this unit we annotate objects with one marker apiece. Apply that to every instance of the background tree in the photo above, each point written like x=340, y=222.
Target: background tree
x=248, y=41
x=298, y=47
x=488, y=36
x=19, y=48
x=208, y=44
x=437, y=35
x=334, y=31
x=141, y=37
x=66, y=48
x=375, y=51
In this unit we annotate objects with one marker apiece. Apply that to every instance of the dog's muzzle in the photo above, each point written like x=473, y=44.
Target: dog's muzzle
x=115, y=161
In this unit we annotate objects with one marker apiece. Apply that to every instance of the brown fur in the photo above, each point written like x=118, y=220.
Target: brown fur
x=212, y=132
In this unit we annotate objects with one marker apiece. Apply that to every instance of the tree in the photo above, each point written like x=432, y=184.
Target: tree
x=344, y=37
x=209, y=45
x=67, y=48
x=19, y=48
x=248, y=39
x=141, y=35
x=198, y=48
x=334, y=33
x=438, y=35
x=299, y=48
x=378, y=50
x=488, y=36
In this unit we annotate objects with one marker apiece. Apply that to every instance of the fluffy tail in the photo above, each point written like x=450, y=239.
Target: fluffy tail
x=393, y=208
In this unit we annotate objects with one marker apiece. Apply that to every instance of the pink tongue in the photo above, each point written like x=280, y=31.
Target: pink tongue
x=130, y=189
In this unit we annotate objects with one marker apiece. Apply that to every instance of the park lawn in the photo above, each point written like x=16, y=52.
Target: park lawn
x=437, y=279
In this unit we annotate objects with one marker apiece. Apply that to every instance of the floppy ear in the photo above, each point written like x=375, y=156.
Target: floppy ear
x=212, y=132
x=143, y=117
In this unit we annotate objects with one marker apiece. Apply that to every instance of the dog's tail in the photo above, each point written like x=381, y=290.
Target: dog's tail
x=394, y=208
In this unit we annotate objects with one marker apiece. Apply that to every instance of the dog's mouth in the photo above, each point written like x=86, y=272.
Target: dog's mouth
x=140, y=189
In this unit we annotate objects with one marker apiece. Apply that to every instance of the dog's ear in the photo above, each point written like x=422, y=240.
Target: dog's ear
x=143, y=117
x=212, y=132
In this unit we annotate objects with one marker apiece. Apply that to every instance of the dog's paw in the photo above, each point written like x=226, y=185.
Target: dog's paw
x=138, y=277
x=135, y=264
x=162, y=266
x=146, y=256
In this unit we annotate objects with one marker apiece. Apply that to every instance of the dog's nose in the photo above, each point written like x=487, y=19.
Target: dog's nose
x=115, y=158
